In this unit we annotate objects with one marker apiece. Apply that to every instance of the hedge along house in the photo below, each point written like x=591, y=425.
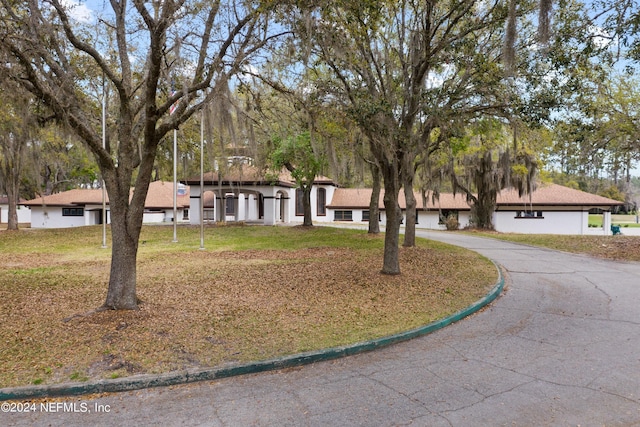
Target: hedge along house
x=551, y=209
x=244, y=193
x=80, y=207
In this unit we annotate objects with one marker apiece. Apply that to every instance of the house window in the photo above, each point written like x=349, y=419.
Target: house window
x=185, y=214
x=343, y=216
x=322, y=202
x=366, y=215
x=72, y=211
x=529, y=214
x=299, y=202
x=446, y=214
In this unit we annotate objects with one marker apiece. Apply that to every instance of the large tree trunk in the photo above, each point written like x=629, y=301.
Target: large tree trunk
x=410, y=225
x=306, y=205
x=374, y=209
x=12, y=195
x=126, y=224
x=121, y=294
x=391, y=264
x=482, y=210
x=390, y=173
x=12, y=148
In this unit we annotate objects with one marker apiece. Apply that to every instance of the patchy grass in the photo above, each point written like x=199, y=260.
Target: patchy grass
x=254, y=293
x=621, y=248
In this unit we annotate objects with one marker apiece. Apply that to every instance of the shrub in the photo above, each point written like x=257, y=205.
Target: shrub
x=452, y=223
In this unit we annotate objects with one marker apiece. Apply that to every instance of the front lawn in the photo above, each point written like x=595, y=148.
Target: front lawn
x=255, y=293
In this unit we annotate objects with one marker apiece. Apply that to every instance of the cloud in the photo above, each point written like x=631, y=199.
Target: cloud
x=78, y=11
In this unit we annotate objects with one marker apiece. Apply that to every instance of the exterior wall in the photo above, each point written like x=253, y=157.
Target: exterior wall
x=426, y=219
x=431, y=220
x=328, y=217
x=24, y=214
x=51, y=217
x=551, y=222
x=158, y=217
x=278, y=203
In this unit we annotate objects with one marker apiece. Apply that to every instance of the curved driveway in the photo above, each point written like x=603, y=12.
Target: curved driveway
x=560, y=347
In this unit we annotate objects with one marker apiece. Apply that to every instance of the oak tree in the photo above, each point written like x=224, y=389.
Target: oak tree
x=161, y=61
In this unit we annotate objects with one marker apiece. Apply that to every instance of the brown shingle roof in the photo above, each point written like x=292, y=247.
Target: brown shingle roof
x=358, y=198
x=160, y=196
x=554, y=194
x=545, y=194
x=74, y=197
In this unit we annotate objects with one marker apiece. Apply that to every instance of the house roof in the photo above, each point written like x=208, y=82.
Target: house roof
x=356, y=198
x=544, y=195
x=75, y=197
x=251, y=175
x=160, y=196
x=554, y=194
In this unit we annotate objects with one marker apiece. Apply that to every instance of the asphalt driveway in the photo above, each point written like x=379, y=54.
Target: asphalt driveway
x=560, y=347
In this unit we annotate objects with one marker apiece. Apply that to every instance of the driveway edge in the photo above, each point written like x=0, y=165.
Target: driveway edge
x=207, y=374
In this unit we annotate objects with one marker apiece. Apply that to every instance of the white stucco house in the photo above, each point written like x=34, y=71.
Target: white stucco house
x=24, y=213
x=245, y=194
x=251, y=196
x=80, y=207
x=551, y=209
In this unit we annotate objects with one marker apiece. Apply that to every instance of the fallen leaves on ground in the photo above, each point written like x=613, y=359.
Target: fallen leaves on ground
x=208, y=308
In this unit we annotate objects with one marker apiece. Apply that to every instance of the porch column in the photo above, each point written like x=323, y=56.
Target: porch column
x=269, y=210
x=241, y=214
x=251, y=207
x=195, y=198
x=606, y=222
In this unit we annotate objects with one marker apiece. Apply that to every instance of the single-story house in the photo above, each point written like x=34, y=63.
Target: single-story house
x=80, y=207
x=24, y=214
x=252, y=196
x=245, y=193
x=550, y=209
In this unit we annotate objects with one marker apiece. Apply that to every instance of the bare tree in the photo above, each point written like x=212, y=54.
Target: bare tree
x=162, y=60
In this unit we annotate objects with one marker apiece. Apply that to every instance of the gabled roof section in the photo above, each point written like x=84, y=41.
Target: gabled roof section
x=160, y=196
x=358, y=198
x=544, y=195
x=251, y=175
x=556, y=195
x=75, y=197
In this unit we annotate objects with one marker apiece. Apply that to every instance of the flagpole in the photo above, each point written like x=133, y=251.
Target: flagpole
x=202, y=180
x=104, y=145
x=175, y=185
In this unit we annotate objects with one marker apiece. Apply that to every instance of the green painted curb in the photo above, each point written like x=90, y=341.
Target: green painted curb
x=207, y=374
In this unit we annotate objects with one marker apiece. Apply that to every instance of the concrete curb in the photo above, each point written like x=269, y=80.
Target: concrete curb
x=208, y=374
